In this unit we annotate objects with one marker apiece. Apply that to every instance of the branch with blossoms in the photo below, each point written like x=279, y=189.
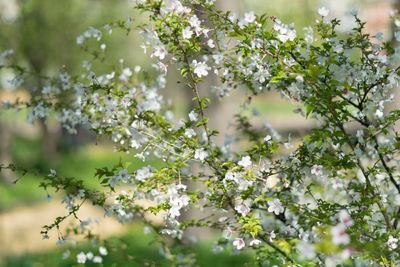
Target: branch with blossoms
x=332, y=199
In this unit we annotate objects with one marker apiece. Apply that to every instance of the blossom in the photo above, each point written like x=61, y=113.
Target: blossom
x=53, y=173
x=249, y=17
x=80, y=39
x=190, y=133
x=144, y=173
x=378, y=113
x=323, y=11
x=103, y=251
x=272, y=236
x=392, y=242
x=244, y=184
x=210, y=43
x=126, y=73
x=243, y=209
x=97, y=259
x=174, y=211
x=267, y=138
x=187, y=33
x=81, y=258
x=353, y=12
x=124, y=175
x=239, y=243
x=275, y=206
x=89, y=255
x=200, y=154
x=160, y=52
x=344, y=217
x=316, y=170
x=339, y=235
x=193, y=116
x=285, y=32
x=227, y=233
x=232, y=176
x=245, y=161
x=66, y=255
x=200, y=68
x=255, y=242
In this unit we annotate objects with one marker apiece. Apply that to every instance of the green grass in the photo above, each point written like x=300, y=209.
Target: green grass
x=138, y=246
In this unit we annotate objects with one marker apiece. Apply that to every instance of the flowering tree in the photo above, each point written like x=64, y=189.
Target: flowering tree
x=332, y=199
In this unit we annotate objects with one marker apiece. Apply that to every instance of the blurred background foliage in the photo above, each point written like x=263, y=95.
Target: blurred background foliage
x=43, y=35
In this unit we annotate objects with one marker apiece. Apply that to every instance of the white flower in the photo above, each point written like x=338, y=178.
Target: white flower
x=81, y=258
x=193, y=116
x=124, y=175
x=338, y=49
x=353, y=12
x=53, y=173
x=323, y=11
x=144, y=173
x=267, y=138
x=66, y=254
x=244, y=184
x=200, y=68
x=238, y=243
x=286, y=34
x=187, y=33
x=227, y=233
x=232, y=176
x=200, y=154
x=392, y=242
x=275, y=206
x=272, y=236
x=97, y=259
x=210, y=43
x=344, y=217
x=316, y=170
x=80, y=193
x=103, y=251
x=89, y=255
x=255, y=242
x=378, y=114
x=80, y=39
x=190, y=133
x=397, y=36
x=245, y=161
x=174, y=211
x=126, y=73
x=249, y=17
x=243, y=209
x=160, y=52
x=339, y=235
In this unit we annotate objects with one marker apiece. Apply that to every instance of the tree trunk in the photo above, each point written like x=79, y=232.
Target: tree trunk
x=5, y=152
x=215, y=123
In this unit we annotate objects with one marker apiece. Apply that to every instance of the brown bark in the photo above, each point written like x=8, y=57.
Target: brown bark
x=5, y=152
x=50, y=137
